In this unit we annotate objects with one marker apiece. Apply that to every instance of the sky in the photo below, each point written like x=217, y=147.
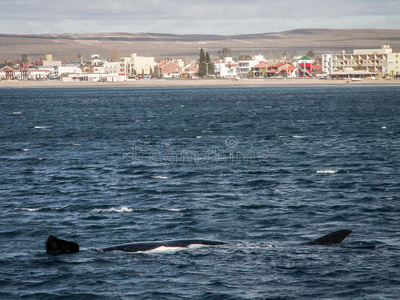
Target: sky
x=194, y=17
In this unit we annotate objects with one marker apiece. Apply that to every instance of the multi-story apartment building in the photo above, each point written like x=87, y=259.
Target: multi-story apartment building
x=393, y=64
x=361, y=63
x=135, y=65
x=244, y=66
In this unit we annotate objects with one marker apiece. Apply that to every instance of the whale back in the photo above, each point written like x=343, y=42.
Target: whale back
x=147, y=246
x=333, y=238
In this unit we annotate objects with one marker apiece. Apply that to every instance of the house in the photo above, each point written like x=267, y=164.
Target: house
x=169, y=69
x=304, y=65
x=9, y=73
x=190, y=71
x=226, y=68
x=244, y=66
x=261, y=69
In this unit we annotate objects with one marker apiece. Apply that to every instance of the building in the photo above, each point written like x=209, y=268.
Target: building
x=9, y=73
x=261, y=69
x=169, y=69
x=137, y=65
x=226, y=68
x=327, y=63
x=304, y=65
x=281, y=68
x=393, y=64
x=190, y=71
x=244, y=66
x=361, y=63
x=49, y=62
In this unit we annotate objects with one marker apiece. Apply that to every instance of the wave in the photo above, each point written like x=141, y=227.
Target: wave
x=28, y=209
x=299, y=136
x=327, y=171
x=160, y=177
x=42, y=127
x=33, y=209
x=125, y=209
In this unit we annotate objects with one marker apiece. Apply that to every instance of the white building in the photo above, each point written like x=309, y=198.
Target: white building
x=361, y=63
x=244, y=66
x=136, y=65
x=227, y=68
x=393, y=64
x=92, y=77
x=112, y=67
x=65, y=70
x=327, y=64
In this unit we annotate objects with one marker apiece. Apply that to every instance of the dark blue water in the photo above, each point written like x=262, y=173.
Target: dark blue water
x=262, y=168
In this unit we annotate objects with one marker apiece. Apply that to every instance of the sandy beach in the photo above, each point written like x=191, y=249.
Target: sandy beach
x=195, y=83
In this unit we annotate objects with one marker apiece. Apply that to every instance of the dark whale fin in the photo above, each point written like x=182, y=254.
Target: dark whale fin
x=55, y=245
x=333, y=238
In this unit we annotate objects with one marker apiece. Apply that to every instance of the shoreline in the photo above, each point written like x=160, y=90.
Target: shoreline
x=199, y=83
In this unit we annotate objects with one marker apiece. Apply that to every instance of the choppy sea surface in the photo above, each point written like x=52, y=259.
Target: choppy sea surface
x=262, y=168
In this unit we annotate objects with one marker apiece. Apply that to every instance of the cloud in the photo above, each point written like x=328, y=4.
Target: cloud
x=189, y=16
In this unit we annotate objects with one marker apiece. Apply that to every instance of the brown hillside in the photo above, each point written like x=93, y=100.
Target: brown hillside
x=170, y=45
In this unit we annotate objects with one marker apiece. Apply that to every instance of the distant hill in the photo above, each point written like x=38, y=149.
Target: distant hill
x=297, y=41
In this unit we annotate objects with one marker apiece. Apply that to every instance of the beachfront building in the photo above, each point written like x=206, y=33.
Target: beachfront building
x=327, y=64
x=190, y=70
x=8, y=73
x=169, y=69
x=393, y=64
x=281, y=69
x=226, y=68
x=49, y=65
x=136, y=65
x=304, y=66
x=261, y=69
x=63, y=71
x=362, y=63
x=244, y=66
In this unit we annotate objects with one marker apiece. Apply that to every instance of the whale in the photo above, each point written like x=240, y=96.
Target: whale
x=55, y=245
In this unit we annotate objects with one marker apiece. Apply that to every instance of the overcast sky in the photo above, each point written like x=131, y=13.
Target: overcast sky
x=200, y=16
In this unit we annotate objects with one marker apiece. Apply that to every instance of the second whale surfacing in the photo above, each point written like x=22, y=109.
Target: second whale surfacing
x=55, y=245
x=148, y=246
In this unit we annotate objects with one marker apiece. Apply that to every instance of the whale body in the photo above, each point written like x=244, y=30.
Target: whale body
x=55, y=245
x=147, y=246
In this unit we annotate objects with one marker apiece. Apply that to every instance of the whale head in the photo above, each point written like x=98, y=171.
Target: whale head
x=54, y=245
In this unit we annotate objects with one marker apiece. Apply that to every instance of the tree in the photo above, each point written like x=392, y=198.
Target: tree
x=210, y=65
x=202, y=65
x=24, y=58
x=6, y=64
x=244, y=56
x=310, y=54
x=250, y=74
x=224, y=52
x=156, y=72
x=115, y=55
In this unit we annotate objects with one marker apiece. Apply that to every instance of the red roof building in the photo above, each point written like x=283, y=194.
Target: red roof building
x=190, y=70
x=169, y=69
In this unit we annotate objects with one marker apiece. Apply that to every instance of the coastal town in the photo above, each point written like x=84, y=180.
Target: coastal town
x=381, y=63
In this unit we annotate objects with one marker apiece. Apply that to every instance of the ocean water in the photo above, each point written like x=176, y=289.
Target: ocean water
x=262, y=168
